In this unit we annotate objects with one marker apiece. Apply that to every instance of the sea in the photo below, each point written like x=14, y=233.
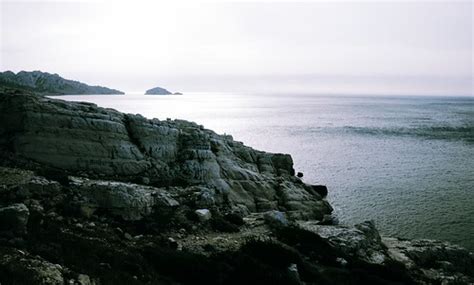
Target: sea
x=406, y=162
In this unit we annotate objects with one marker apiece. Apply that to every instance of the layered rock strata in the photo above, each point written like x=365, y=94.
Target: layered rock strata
x=81, y=138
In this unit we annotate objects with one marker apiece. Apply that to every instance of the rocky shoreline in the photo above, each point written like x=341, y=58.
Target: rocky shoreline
x=90, y=195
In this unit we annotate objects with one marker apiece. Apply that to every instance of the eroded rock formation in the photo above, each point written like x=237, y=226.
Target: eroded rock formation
x=81, y=138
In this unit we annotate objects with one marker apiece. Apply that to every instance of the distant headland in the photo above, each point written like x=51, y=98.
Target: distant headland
x=45, y=83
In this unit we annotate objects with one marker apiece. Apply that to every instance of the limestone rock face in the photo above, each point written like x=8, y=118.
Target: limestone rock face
x=78, y=137
x=129, y=201
x=361, y=242
x=85, y=140
x=426, y=261
x=437, y=261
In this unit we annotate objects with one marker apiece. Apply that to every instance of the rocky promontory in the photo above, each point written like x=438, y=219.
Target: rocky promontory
x=90, y=195
x=48, y=84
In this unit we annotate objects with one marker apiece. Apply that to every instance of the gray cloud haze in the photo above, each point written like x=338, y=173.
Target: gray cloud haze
x=413, y=47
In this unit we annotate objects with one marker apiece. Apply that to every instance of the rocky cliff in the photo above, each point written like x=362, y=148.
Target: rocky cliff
x=93, y=196
x=48, y=84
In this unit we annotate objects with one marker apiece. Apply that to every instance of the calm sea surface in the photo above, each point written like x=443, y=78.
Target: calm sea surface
x=405, y=162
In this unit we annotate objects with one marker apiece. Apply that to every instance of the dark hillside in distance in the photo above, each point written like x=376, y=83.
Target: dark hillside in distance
x=48, y=84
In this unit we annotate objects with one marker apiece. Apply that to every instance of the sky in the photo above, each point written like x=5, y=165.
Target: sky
x=348, y=47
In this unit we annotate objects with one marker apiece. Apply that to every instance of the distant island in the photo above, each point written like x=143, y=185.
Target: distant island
x=44, y=83
x=160, y=91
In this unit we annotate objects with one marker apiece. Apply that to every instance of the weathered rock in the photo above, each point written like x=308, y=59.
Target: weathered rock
x=18, y=267
x=300, y=203
x=85, y=140
x=426, y=261
x=436, y=262
x=276, y=219
x=293, y=271
x=127, y=200
x=361, y=242
x=322, y=190
x=83, y=279
x=37, y=187
x=203, y=215
x=266, y=225
x=14, y=218
x=205, y=197
x=328, y=220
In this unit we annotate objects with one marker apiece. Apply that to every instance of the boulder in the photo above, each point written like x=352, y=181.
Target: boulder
x=83, y=279
x=301, y=203
x=322, y=190
x=203, y=215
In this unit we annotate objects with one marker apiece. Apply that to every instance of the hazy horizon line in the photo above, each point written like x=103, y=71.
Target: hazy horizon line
x=329, y=84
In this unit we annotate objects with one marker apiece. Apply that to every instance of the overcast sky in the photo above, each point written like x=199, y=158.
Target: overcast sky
x=409, y=47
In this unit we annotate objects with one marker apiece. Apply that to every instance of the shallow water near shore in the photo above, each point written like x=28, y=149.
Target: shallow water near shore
x=405, y=162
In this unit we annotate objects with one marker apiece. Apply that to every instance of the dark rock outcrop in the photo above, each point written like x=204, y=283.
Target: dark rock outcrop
x=48, y=84
x=92, y=196
x=322, y=190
